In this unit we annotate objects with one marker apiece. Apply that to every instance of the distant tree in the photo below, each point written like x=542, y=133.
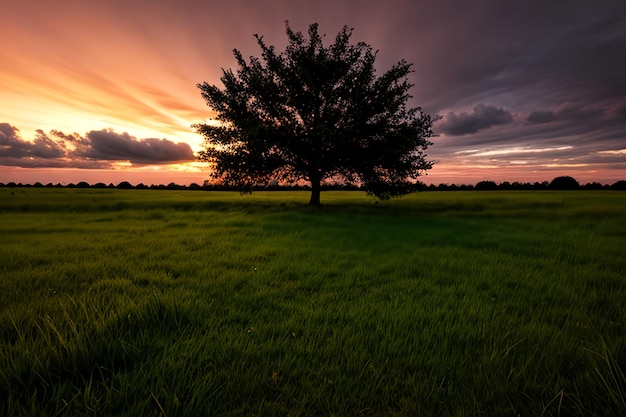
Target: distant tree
x=314, y=113
x=486, y=186
x=619, y=186
x=564, y=183
x=125, y=185
x=174, y=186
x=593, y=186
x=505, y=186
x=83, y=184
x=420, y=186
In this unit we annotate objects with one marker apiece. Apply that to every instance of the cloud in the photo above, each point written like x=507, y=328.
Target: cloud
x=108, y=145
x=481, y=117
x=541, y=116
x=611, y=112
x=8, y=135
x=98, y=149
x=529, y=54
x=12, y=146
x=617, y=111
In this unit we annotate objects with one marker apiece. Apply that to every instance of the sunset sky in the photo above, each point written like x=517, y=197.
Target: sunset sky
x=105, y=91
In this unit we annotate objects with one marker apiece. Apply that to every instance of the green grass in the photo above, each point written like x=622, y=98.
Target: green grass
x=180, y=303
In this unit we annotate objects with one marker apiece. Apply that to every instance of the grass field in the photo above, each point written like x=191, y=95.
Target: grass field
x=181, y=303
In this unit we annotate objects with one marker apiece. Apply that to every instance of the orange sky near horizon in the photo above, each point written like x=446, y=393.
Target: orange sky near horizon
x=513, y=107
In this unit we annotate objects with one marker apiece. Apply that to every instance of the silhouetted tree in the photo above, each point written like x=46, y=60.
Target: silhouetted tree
x=486, y=186
x=564, y=183
x=593, y=186
x=505, y=186
x=619, y=185
x=313, y=113
x=125, y=185
x=174, y=186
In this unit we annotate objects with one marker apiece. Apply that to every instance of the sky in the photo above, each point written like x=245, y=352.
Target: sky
x=106, y=91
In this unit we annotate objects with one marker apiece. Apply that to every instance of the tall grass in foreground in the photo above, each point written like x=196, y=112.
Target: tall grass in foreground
x=131, y=302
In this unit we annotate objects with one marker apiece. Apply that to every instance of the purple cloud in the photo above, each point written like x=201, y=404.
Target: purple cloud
x=108, y=145
x=98, y=149
x=481, y=117
x=14, y=148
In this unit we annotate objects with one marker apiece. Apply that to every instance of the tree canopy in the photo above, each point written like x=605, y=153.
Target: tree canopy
x=564, y=183
x=316, y=113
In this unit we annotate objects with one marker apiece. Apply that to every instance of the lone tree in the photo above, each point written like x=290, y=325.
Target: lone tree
x=316, y=113
x=564, y=183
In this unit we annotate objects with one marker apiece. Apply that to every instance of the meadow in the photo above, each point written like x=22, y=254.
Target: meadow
x=182, y=303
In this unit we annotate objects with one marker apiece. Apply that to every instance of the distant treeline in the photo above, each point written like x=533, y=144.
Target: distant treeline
x=558, y=183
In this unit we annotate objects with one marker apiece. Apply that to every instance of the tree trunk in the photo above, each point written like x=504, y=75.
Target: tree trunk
x=316, y=189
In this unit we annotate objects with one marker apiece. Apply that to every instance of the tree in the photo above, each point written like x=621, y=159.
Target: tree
x=564, y=183
x=619, y=185
x=486, y=186
x=315, y=113
x=125, y=185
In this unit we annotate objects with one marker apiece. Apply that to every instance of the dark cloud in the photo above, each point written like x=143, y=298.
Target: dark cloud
x=541, y=116
x=617, y=111
x=528, y=57
x=12, y=146
x=108, y=145
x=568, y=111
x=8, y=134
x=481, y=117
x=98, y=149
x=584, y=116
